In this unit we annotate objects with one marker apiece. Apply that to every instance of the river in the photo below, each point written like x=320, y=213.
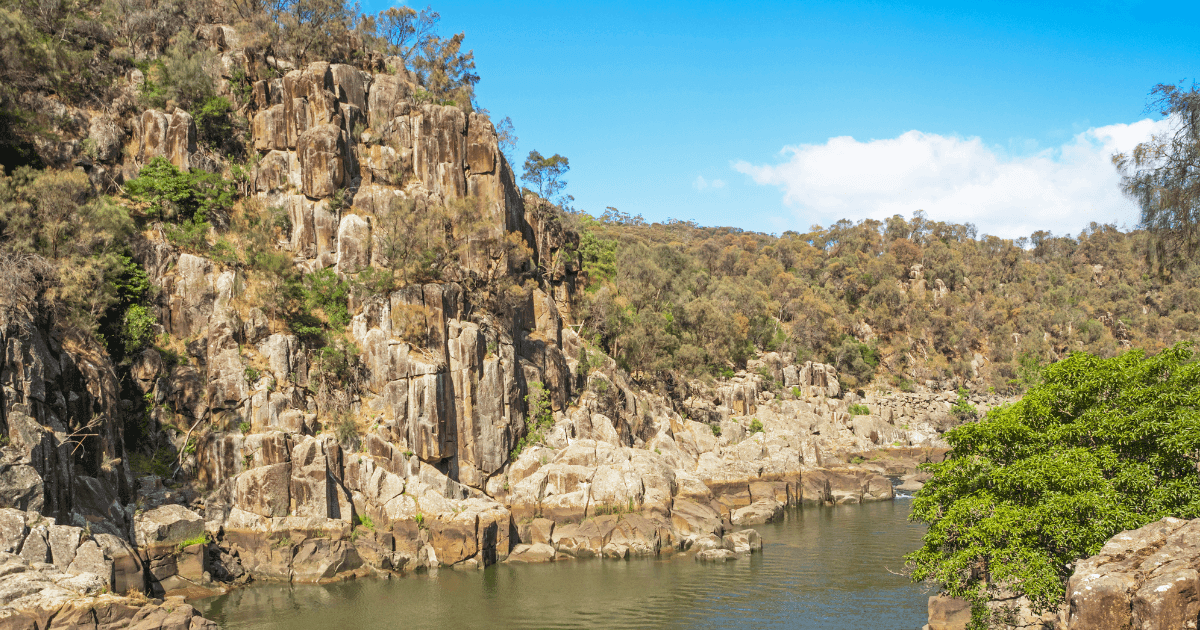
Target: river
x=821, y=568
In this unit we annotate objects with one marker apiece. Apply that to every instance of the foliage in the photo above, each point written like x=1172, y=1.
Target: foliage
x=1163, y=176
x=335, y=365
x=192, y=235
x=181, y=75
x=217, y=124
x=506, y=137
x=539, y=418
x=857, y=409
x=756, y=425
x=51, y=221
x=244, y=427
x=344, y=427
x=175, y=195
x=1100, y=446
x=855, y=362
x=138, y=328
x=768, y=379
x=545, y=174
x=420, y=242
x=324, y=292
x=160, y=464
x=446, y=71
x=597, y=255
x=405, y=31
x=48, y=47
x=963, y=409
x=695, y=300
x=365, y=521
x=201, y=539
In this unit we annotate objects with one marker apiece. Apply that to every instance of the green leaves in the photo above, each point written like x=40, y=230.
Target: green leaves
x=177, y=195
x=1100, y=446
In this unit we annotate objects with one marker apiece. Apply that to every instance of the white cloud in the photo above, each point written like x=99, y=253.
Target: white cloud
x=700, y=183
x=959, y=180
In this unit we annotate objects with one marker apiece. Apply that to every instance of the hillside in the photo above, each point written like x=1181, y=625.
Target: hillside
x=892, y=305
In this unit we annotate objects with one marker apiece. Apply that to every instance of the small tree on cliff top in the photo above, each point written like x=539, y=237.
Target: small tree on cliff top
x=545, y=174
x=1100, y=446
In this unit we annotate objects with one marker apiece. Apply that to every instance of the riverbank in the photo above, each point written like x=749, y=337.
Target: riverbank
x=822, y=568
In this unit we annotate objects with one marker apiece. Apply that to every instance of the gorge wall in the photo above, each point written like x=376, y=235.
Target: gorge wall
x=242, y=455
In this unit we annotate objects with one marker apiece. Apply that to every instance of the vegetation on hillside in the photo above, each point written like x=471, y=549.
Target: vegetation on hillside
x=79, y=52
x=1101, y=446
x=865, y=297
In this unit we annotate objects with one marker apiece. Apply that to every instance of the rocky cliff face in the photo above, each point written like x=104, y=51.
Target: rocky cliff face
x=443, y=463
x=1144, y=578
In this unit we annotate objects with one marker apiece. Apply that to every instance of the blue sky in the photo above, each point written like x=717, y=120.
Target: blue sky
x=776, y=116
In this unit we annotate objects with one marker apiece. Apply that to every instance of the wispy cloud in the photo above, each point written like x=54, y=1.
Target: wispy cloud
x=960, y=180
x=702, y=184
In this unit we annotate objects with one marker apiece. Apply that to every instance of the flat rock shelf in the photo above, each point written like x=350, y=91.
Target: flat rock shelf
x=821, y=568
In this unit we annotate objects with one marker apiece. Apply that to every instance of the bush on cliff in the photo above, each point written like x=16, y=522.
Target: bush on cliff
x=1100, y=446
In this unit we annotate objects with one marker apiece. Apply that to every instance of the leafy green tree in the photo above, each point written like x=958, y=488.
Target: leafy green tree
x=545, y=175
x=1100, y=446
x=1163, y=176
x=178, y=195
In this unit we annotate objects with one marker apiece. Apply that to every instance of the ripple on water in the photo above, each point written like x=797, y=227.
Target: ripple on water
x=821, y=568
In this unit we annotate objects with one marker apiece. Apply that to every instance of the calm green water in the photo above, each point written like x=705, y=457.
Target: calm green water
x=821, y=568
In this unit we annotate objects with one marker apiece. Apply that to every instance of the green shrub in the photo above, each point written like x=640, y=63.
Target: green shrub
x=1099, y=446
x=716, y=429
x=755, y=425
x=176, y=195
x=215, y=125
x=539, y=418
x=768, y=379
x=191, y=235
x=201, y=539
x=344, y=427
x=244, y=426
x=796, y=392
x=325, y=291
x=137, y=328
x=859, y=410
x=963, y=409
x=855, y=362
x=365, y=521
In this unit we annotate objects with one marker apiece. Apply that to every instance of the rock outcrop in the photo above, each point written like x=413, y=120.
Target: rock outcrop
x=1148, y=578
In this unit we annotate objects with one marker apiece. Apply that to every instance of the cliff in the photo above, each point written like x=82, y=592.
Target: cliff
x=456, y=421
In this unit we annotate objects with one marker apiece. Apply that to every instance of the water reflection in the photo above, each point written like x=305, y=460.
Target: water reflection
x=821, y=568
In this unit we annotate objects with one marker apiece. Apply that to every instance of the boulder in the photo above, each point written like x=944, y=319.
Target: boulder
x=949, y=613
x=744, y=541
x=765, y=510
x=528, y=554
x=169, y=524
x=716, y=555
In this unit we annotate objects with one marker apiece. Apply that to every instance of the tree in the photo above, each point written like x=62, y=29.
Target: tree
x=545, y=174
x=1100, y=446
x=1163, y=176
x=312, y=28
x=506, y=137
x=446, y=71
x=405, y=31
